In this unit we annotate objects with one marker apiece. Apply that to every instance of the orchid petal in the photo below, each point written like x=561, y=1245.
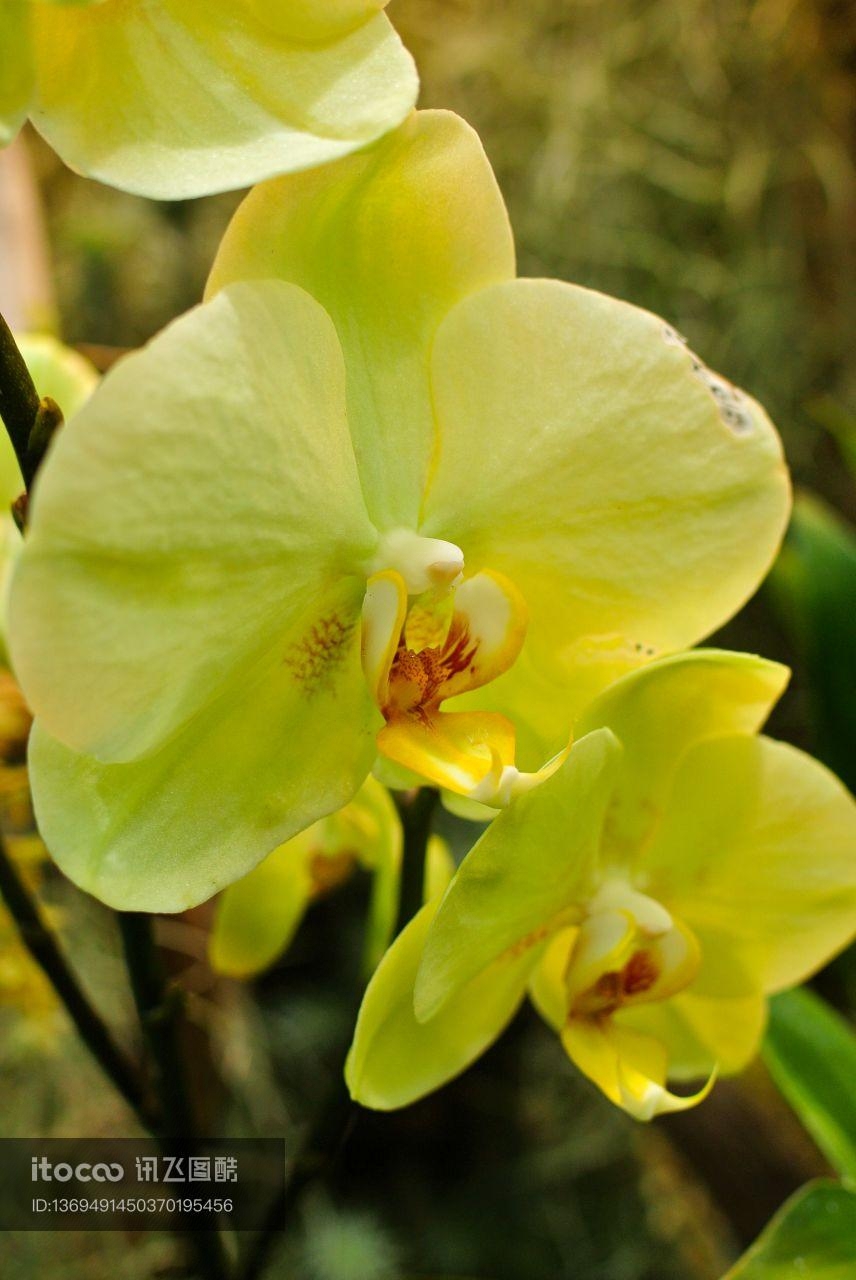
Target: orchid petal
x=394, y=1059
x=632, y=496
x=756, y=849
x=17, y=77
x=702, y=1033
x=258, y=916
x=58, y=372
x=262, y=763
x=184, y=522
x=457, y=750
x=387, y=241
x=535, y=862
x=630, y=1068
x=207, y=95
x=660, y=711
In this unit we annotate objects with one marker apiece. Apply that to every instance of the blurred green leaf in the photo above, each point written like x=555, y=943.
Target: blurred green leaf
x=810, y=1051
x=814, y=588
x=840, y=422
x=812, y=1237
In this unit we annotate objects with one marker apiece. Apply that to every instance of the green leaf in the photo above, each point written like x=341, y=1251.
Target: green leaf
x=814, y=586
x=812, y=1237
x=810, y=1051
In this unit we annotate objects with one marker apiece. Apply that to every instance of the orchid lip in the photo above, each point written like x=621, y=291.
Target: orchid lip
x=419, y=650
x=629, y=950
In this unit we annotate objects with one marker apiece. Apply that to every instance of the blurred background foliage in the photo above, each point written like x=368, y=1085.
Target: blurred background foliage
x=697, y=157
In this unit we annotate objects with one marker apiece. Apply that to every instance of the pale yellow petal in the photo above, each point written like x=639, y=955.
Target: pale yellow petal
x=388, y=241
x=165, y=832
x=659, y=712
x=394, y=1059
x=187, y=521
x=757, y=851
x=178, y=98
x=631, y=496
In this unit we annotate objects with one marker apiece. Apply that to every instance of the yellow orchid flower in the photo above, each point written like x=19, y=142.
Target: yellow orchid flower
x=674, y=872
x=394, y=503
x=178, y=98
x=258, y=917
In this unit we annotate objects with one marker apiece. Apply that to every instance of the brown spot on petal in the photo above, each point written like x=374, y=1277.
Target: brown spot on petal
x=320, y=650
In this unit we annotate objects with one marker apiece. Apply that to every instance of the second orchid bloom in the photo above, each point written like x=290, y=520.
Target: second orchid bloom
x=670, y=876
x=375, y=496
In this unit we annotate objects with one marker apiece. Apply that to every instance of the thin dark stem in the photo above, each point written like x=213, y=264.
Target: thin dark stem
x=330, y=1131
x=30, y=420
x=43, y=947
x=159, y=1013
x=19, y=400
x=416, y=812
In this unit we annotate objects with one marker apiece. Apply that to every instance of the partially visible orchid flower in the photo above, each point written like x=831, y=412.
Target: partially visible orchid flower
x=394, y=504
x=62, y=374
x=178, y=98
x=69, y=379
x=258, y=916
x=672, y=874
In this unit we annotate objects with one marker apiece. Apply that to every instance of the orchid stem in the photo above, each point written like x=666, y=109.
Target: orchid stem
x=19, y=399
x=330, y=1130
x=43, y=947
x=416, y=812
x=159, y=1014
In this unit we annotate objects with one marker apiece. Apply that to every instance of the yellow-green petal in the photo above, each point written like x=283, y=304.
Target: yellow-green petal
x=374, y=833
x=439, y=868
x=757, y=854
x=58, y=372
x=700, y=1033
x=388, y=241
x=207, y=95
x=526, y=877
x=187, y=523
x=310, y=21
x=658, y=712
x=394, y=1060
x=634, y=498
x=167, y=831
x=16, y=67
x=626, y=1065
x=69, y=379
x=258, y=916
